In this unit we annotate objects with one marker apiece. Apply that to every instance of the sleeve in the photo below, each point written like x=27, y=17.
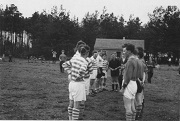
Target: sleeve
x=90, y=67
x=128, y=71
x=67, y=66
x=82, y=70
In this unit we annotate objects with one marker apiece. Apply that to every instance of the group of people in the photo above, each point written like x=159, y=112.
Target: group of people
x=88, y=76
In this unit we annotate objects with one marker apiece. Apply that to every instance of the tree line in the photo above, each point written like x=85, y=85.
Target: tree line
x=57, y=31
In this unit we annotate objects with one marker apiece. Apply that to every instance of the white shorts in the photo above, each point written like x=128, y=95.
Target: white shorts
x=87, y=85
x=130, y=90
x=93, y=75
x=105, y=74
x=77, y=91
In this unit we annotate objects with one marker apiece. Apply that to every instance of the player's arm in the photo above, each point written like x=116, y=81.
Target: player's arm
x=67, y=66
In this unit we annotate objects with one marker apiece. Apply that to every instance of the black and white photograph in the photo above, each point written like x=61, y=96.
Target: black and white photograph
x=90, y=60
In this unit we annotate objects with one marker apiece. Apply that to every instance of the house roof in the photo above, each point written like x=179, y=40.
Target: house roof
x=116, y=43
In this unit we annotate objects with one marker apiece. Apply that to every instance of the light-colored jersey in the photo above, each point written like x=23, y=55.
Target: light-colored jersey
x=94, y=63
x=54, y=54
x=99, y=61
x=77, y=54
x=76, y=67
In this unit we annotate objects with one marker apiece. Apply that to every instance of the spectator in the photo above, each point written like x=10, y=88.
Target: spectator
x=10, y=57
x=54, y=56
x=169, y=61
x=62, y=59
x=114, y=66
x=150, y=65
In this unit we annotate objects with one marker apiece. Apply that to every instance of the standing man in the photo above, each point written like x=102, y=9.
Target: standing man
x=98, y=81
x=123, y=60
x=10, y=56
x=151, y=66
x=114, y=66
x=139, y=102
x=179, y=67
x=93, y=74
x=62, y=59
x=105, y=69
x=129, y=87
x=77, y=67
x=54, y=56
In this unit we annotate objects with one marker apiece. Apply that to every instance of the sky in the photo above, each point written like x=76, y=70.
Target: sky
x=79, y=8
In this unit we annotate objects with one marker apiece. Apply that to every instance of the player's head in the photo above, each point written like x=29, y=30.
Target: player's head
x=62, y=51
x=95, y=54
x=113, y=56
x=128, y=49
x=104, y=56
x=78, y=45
x=140, y=52
x=87, y=47
x=84, y=53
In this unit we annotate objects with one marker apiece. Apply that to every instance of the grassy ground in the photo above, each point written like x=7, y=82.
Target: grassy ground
x=31, y=91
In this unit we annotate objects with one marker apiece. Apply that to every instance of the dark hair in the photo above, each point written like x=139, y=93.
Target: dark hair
x=79, y=47
x=140, y=52
x=94, y=51
x=87, y=47
x=83, y=51
x=135, y=52
x=104, y=54
x=130, y=47
x=124, y=46
x=79, y=43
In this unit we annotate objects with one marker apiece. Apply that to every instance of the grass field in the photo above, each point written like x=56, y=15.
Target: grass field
x=38, y=91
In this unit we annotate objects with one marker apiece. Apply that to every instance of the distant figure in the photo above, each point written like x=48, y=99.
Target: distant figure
x=62, y=59
x=10, y=57
x=3, y=58
x=54, y=56
x=179, y=67
x=176, y=62
x=151, y=66
x=169, y=61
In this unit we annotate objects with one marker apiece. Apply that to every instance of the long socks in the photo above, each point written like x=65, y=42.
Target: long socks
x=138, y=109
x=70, y=112
x=129, y=116
x=75, y=114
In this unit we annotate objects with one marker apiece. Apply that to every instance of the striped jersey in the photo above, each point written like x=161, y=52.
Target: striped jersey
x=94, y=63
x=89, y=68
x=76, y=67
x=77, y=54
x=105, y=65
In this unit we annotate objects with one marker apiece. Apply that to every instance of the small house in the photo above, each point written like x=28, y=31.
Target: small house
x=115, y=45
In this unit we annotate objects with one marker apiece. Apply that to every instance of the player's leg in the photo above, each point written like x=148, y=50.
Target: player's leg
x=116, y=83
x=113, y=81
x=127, y=105
x=133, y=109
x=70, y=109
